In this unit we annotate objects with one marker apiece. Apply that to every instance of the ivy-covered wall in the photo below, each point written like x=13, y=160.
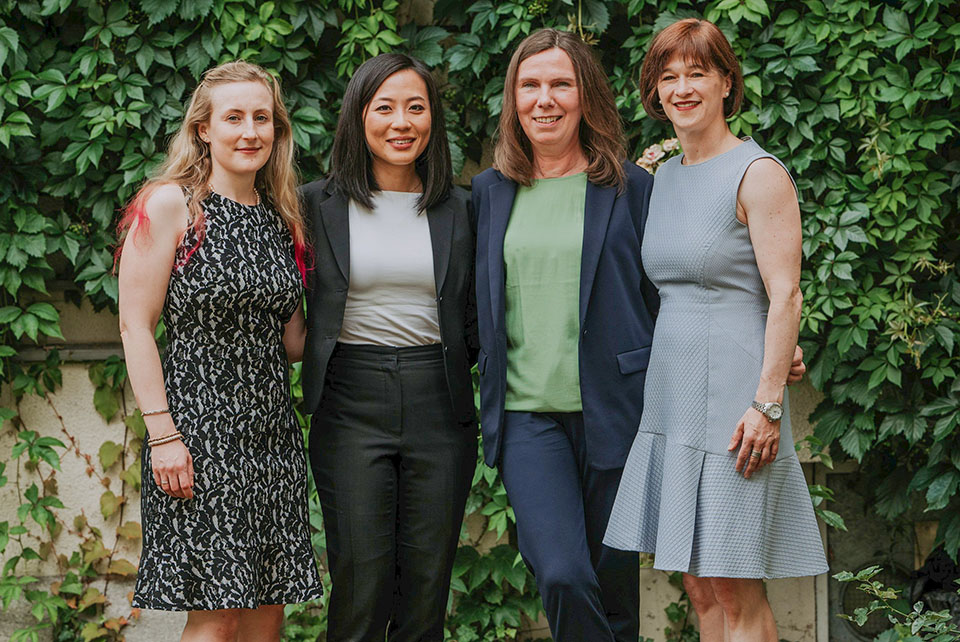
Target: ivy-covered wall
x=858, y=97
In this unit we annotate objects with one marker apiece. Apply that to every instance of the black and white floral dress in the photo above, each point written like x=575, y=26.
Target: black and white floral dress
x=244, y=538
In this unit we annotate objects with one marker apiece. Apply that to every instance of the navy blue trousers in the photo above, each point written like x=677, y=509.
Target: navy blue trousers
x=591, y=593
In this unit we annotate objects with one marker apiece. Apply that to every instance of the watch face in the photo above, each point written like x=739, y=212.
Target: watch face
x=774, y=412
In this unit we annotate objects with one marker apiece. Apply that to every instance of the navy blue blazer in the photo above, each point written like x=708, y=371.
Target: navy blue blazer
x=618, y=305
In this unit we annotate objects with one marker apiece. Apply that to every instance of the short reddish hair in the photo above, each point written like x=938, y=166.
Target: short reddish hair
x=696, y=41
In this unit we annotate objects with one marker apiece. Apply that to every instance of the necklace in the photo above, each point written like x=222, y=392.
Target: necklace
x=255, y=193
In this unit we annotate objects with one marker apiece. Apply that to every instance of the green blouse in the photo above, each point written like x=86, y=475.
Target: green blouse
x=541, y=255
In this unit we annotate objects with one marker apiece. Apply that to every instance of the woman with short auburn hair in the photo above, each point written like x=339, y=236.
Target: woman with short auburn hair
x=391, y=340
x=216, y=244
x=706, y=487
x=696, y=41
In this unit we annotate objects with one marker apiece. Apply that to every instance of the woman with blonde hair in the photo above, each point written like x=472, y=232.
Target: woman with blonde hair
x=215, y=244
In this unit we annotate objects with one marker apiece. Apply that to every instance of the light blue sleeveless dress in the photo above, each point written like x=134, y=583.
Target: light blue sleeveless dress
x=680, y=497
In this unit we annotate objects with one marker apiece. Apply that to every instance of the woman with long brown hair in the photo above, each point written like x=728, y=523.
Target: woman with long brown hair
x=566, y=317
x=215, y=244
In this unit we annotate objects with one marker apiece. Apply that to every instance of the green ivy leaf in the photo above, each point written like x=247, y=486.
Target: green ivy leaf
x=136, y=424
x=109, y=454
x=109, y=504
x=130, y=530
x=9, y=313
x=942, y=489
x=121, y=567
x=194, y=9
x=896, y=20
x=105, y=401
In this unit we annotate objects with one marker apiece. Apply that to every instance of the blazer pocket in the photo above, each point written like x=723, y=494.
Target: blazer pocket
x=634, y=360
x=481, y=362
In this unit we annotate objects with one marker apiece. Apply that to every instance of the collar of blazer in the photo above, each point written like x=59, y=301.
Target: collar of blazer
x=598, y=206
x=335, y=219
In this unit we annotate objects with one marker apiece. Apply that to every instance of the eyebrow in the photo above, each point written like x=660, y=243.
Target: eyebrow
x=695, y=65
x=242, y=110
x=388, y=99
x=554, y=79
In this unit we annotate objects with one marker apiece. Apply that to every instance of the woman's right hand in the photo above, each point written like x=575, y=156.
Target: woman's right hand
x=173, y=469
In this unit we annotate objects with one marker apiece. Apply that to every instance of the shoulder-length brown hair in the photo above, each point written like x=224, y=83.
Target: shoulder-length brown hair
x=696, y=41
x=601, y=132
x=188, y=162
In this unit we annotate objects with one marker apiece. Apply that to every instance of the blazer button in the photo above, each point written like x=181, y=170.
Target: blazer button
x=584, y=333
x=440, y=298
x=446, y=348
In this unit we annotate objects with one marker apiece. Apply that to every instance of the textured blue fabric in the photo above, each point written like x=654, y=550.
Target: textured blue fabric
x=680, y=496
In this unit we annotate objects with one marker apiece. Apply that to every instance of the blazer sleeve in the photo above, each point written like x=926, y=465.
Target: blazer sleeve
x=471, y=336
x=640, y=186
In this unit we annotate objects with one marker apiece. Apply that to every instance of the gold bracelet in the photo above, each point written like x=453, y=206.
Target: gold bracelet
x=166, y=439
x=155, y=412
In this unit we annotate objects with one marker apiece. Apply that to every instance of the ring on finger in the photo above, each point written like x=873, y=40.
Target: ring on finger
x=164, y=482
x=756, y=454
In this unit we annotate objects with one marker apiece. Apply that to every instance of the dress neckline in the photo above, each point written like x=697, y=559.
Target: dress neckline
x=225, y=199
x=746, y=140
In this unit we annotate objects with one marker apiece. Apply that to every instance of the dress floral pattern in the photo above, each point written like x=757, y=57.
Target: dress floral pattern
x=244, y=539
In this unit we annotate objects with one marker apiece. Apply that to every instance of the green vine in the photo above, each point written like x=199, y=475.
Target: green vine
x=910, y=623
x=859, y=98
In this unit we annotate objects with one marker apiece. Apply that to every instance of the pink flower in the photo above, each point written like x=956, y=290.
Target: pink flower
x=653, y=153
x=645, y=165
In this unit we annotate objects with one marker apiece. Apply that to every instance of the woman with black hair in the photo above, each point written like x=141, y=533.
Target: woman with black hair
x=386, y=369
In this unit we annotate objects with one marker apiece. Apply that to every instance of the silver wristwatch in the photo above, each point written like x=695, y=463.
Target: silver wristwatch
x=772, y=410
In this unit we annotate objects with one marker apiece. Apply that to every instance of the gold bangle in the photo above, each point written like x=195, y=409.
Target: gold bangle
x=155, y=412
x=165, y=439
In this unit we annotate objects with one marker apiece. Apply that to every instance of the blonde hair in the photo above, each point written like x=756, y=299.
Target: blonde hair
x=188, y=162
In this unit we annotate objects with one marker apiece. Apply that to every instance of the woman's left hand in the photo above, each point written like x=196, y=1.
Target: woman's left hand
x=755, y=433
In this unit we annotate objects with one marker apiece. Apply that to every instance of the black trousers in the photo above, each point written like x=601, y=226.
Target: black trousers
x=590, y=592
x=393, y=468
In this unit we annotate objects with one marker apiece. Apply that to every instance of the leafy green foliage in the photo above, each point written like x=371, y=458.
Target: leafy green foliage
x=910, y=623
x=858, y=98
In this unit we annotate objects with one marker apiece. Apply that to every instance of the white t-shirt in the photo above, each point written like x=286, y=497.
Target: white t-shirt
x=392, y=297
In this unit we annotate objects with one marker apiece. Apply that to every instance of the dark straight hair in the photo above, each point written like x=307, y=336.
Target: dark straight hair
x=351, y=162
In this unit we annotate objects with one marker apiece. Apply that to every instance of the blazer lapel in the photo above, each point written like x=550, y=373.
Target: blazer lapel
x=597, y=210
x=335, y=214
x=501, y=202
x=440, y=221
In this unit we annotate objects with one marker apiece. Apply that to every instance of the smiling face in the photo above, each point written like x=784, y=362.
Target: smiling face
x=240, y=131
x=396, y=121
x=692, y=95
x=548, y=101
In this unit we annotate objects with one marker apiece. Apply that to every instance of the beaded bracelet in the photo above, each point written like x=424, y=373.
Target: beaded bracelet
x=166, y=439
x=155, y=412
